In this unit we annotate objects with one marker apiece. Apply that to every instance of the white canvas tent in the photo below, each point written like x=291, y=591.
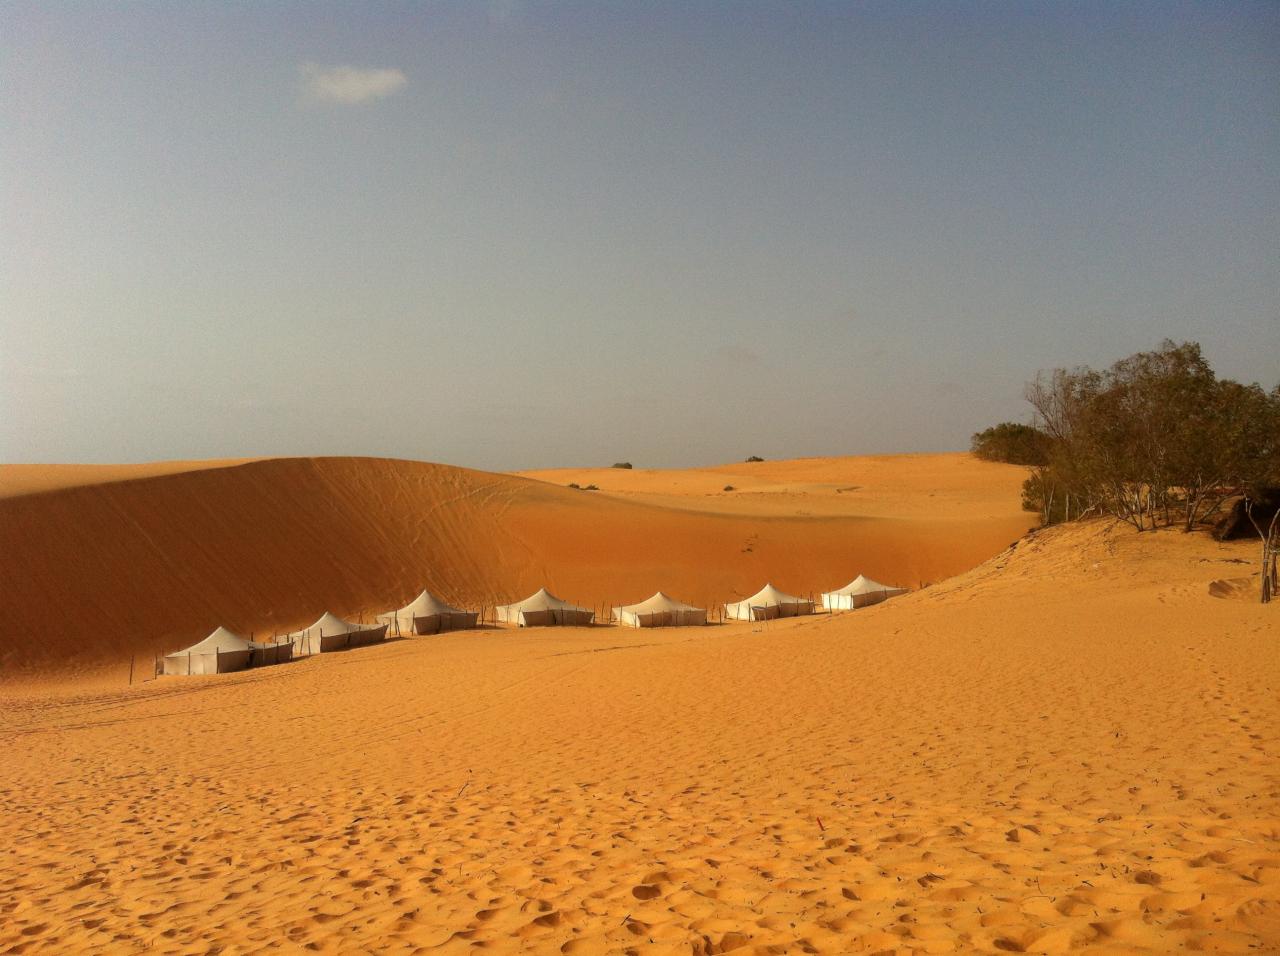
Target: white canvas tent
x=860, y=592
x=220, y=652
x=427, y=614
x=332, y=633
x=766, y=604
x=263, y=653
x=544, y=609
x=661, y=610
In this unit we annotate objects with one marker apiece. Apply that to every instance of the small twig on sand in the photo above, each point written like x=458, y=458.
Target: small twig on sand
x=1037, y=896
x=464, y=787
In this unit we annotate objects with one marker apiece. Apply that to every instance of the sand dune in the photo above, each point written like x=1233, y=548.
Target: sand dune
x=1071, y=747
x=33, y=479
x=150, y=561
x=942, y=487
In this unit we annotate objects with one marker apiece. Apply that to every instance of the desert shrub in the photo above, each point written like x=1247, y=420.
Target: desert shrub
x=728, y=487
x=1155, y=438
x=591, y=488
x=574, y=484
x=755, y=458
x=1011, y=443
x=1040, y=494
x=622, y=464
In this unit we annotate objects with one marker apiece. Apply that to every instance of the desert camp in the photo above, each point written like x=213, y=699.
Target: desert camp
x=515, y=697
x=678, y=478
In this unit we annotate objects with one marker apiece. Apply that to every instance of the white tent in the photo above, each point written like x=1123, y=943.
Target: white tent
x=427, y=614
x=661, y=610
x=860, y=592
x=218, y=653
x=766, y=604
x=332, y=633
x=544, y=609
x=278, y=651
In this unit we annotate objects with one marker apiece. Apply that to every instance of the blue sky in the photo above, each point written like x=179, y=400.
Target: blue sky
x=527, y=234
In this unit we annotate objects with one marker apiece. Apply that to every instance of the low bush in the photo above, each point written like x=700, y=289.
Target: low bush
x=1012, y=444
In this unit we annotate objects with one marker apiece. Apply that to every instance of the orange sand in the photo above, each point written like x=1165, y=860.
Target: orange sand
x=95, y=573
x=33, y=479
x=937, y=488
x=1071, y=747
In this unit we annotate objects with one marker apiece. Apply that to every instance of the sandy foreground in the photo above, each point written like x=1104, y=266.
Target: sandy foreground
x=1071, y=747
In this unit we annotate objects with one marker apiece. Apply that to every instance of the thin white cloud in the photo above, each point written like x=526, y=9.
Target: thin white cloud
x=349, y=84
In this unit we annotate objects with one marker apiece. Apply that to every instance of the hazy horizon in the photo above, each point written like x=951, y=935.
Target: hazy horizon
x=520, y=235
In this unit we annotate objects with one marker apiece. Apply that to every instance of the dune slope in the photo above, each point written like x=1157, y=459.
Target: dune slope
x=1072, y=747
x=98, y=572
x=947, y=487
x=32, y=479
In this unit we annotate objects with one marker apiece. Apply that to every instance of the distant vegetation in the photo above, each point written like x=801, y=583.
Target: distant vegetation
x=728, y=487
x=1012, y=443
x=1155, y=439
x=755, y=458
x=622, y=464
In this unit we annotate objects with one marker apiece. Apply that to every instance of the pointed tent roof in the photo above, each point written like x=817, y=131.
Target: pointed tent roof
x=220, y=640
x=330, y=623
x=424, y=605
x=864, y=585
x=659, y=602
x=543, y=600
x=768, y=596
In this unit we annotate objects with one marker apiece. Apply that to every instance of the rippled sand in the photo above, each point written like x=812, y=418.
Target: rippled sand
x=1074, y=746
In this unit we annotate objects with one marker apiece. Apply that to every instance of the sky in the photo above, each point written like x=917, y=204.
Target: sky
x=515, y=235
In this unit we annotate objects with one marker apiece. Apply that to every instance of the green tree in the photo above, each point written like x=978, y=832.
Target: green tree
x=1156, y=435
x=1011, y=443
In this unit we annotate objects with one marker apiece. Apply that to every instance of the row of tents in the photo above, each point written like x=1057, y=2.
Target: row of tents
x=224, y=650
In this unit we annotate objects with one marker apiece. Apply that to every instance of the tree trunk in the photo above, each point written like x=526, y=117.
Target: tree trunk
x=1270, y=551
x=1271, y=544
